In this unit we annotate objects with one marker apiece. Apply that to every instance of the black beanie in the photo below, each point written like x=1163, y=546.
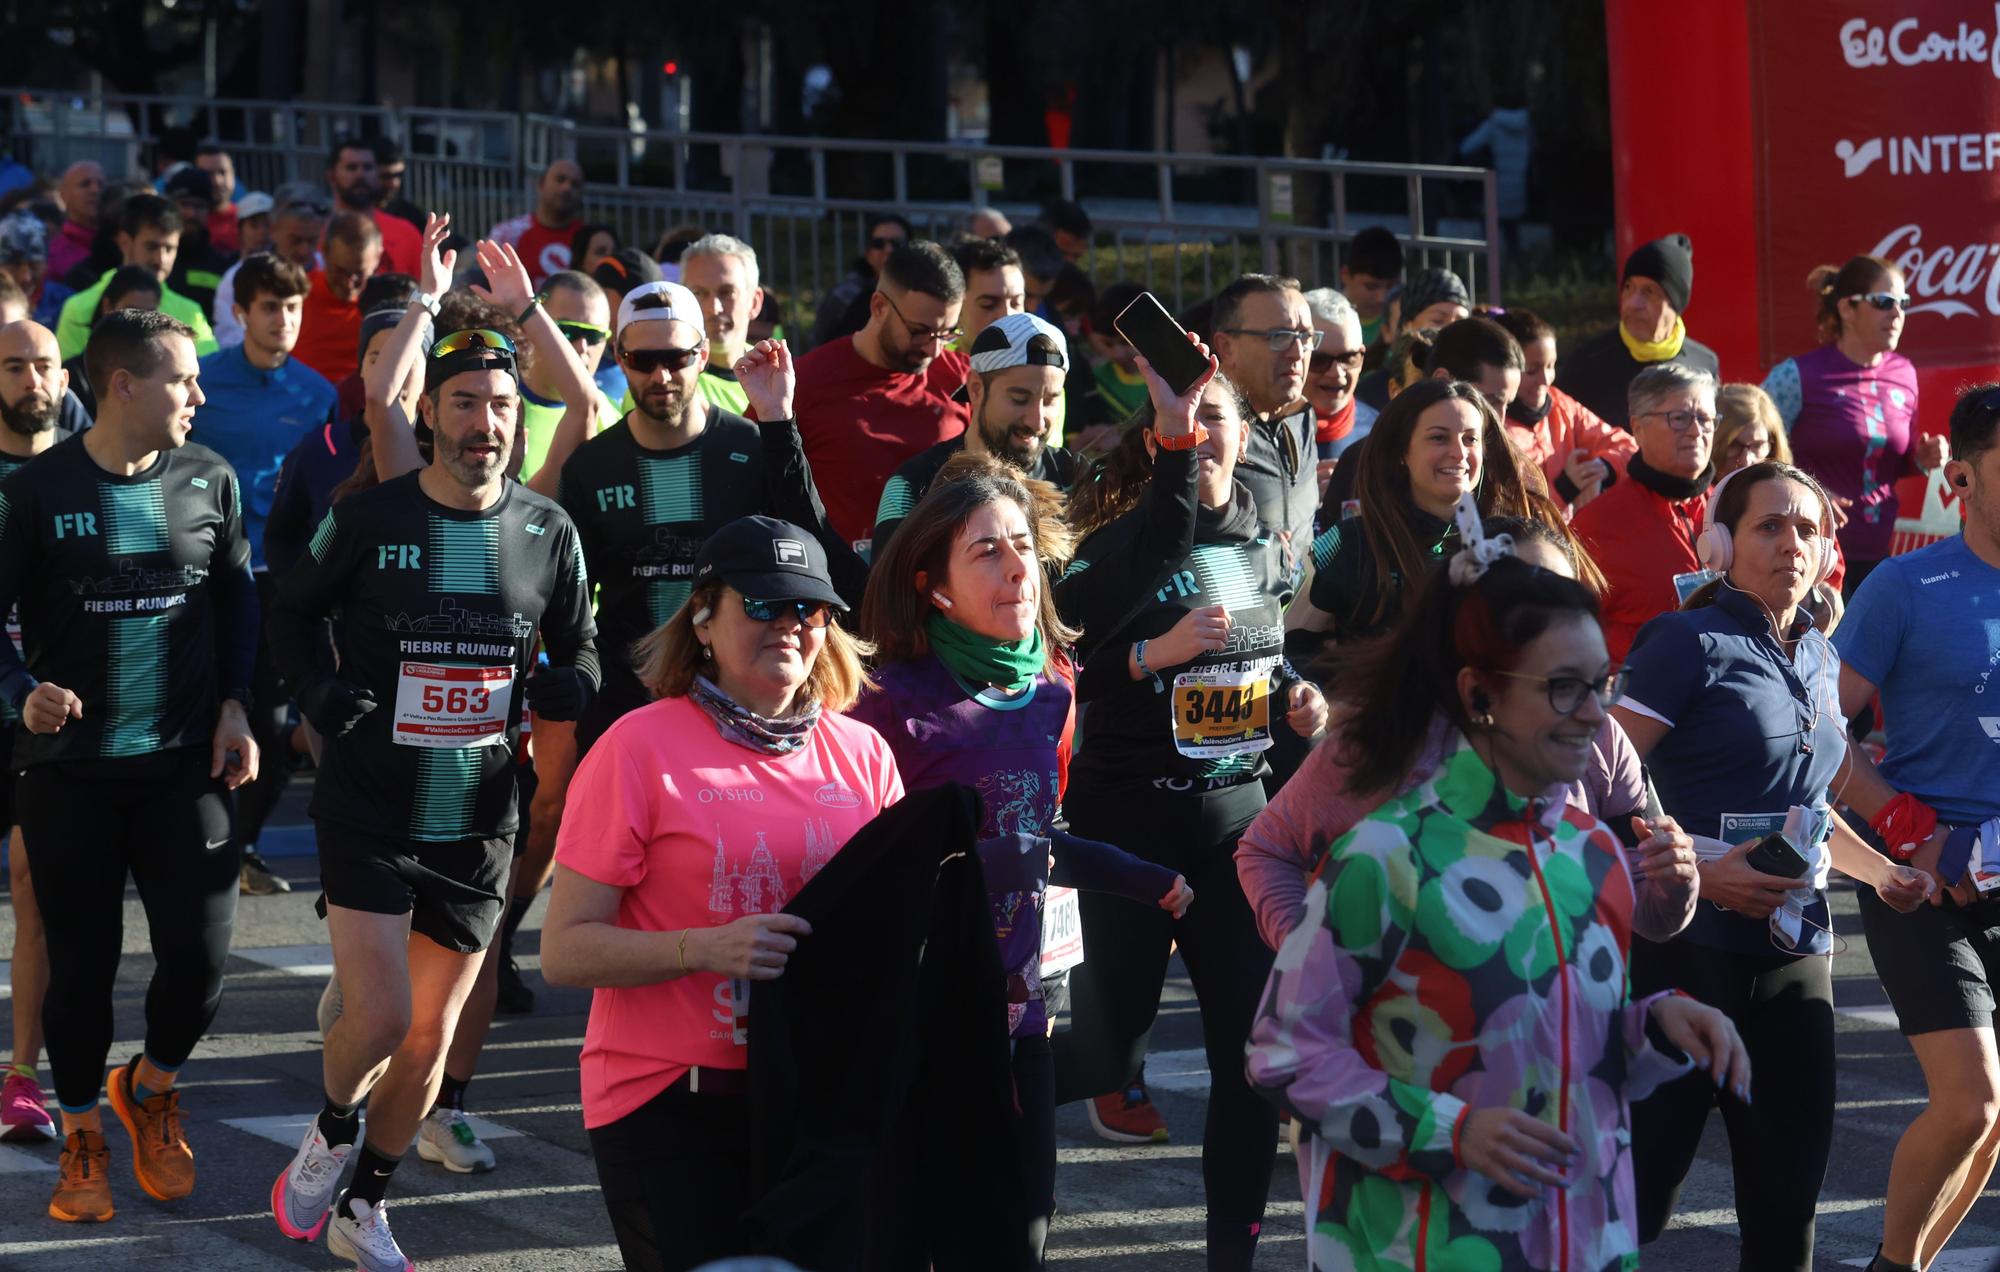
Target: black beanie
x=1669, y=262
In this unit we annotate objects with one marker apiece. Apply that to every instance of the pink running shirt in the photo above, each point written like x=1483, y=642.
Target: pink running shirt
x=699, y=832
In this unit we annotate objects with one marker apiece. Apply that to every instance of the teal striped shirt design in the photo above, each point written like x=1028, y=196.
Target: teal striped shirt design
x=1226, y=576
x=463, y=557
x=447, y=788
x=135, y=518
x=323, y=537
x=897, y=500
x=136, y=685
x=671, y=490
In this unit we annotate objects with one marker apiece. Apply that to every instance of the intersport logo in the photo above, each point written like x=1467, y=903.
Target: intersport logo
x=1951, y=281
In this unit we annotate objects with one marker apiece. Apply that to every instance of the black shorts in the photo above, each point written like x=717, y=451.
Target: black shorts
x=1940, y=964
x=454, y=892
x=7, y=778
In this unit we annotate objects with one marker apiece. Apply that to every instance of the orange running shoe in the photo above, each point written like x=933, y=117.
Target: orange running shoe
x=83, y=1189
x=162, y=1162
x=1128, y=1116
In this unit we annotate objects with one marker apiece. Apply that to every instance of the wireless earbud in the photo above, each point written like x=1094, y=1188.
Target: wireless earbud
x=944, y=602
x=1960, y=481
x=1480, y=702
x=702, y=615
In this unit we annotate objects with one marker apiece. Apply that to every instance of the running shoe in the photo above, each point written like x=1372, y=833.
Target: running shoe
x=329, y=1005
x=303, y=1194
x=1128, y=1116
x=23, y=1116
x=162, y=1162
x=447, y=1138
x=514, y=998
x=83, y=1189
x=257, y=880
x=365, y=1238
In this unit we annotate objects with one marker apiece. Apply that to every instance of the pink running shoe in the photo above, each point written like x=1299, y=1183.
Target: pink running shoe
x=22, y=1115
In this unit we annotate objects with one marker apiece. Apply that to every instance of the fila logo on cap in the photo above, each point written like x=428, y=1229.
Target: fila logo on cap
x=789, y=552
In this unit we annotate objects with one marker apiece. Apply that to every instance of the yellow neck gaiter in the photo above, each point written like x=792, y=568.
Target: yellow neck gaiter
x=1655, y=350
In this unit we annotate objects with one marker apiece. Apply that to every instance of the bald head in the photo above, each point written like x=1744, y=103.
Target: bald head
x=82, y=189
x=559, y=194
x=32, y=379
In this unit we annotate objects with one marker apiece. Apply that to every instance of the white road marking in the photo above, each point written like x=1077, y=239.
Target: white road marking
x=288, y=1128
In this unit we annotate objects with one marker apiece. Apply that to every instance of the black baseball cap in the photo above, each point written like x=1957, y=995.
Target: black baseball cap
x=767, y=560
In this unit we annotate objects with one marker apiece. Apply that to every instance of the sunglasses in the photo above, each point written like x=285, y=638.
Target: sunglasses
x=893, y=241
x=1884, y=301
x=813, y=614
x=1322, y=362
x=1281, y=338
x=472, y=338
x=647, y=361
x=583, y=331
x=1566, y=693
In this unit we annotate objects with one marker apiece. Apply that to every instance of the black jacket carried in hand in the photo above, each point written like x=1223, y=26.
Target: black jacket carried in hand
x=884, y=1129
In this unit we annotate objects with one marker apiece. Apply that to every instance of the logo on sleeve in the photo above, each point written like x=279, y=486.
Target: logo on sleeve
x=789, y=552
x=1992, y=726
x=536, y=529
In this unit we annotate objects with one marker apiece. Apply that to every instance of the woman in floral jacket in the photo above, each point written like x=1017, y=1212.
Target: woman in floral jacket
x=1450, y=1023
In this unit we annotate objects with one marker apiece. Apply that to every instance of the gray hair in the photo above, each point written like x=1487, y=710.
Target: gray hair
x=724, y=245
x=1329, y=306
x=1660, y=381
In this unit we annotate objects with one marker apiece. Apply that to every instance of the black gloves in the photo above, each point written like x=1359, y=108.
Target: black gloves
x=333, y=706
x=559, y=693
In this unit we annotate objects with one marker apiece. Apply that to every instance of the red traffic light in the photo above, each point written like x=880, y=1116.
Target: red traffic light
x=671, y=67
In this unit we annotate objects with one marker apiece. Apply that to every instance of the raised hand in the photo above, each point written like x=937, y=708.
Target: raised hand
x=766, y=374
x=436, y=273
x=1174, y=412
x=507, y=283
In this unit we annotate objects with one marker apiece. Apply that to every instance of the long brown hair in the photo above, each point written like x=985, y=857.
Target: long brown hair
x=1861, y=275
x=1113, y=485
x=1382, y=485
x=895, y=608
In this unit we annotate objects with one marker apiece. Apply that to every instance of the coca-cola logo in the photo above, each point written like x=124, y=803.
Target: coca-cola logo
x=1864, y=44
x=1938, y=276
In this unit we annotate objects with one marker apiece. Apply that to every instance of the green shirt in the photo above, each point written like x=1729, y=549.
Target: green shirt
x=539, y=418
x=73, y=326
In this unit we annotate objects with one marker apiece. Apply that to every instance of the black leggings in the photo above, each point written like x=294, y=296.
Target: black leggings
x=88, y=823
x=676, y=1178
x=1778, y=1143
x=1035, y=1089
x=1115, y=994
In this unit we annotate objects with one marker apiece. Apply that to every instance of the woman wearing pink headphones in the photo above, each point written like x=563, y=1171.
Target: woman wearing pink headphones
x=1733, y=701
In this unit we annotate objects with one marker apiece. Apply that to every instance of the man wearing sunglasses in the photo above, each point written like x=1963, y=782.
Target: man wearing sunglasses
x=867, y=403
x=439, y=581
x=583, y=316
x=1265, y=339
x=1333, y=371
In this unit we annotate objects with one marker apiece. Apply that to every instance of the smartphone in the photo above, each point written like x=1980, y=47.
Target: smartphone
x=1775, y=854
x=1149, y=328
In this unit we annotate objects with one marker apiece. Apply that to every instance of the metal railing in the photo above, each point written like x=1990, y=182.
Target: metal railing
x=1181, y=224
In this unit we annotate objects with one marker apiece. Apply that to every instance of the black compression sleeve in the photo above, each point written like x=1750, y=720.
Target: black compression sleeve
x=794, y=497
x=236, y=628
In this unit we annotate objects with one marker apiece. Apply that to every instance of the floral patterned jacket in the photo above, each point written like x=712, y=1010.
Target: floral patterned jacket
x=1462, y=949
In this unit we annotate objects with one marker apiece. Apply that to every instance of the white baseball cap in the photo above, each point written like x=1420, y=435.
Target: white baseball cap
x=659, y=302
x=1005, y=343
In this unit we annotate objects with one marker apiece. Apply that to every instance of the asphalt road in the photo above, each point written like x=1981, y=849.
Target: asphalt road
x=256, y=1079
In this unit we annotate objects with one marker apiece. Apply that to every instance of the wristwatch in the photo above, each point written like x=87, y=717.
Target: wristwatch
x=429, y=304
x=1186, y=441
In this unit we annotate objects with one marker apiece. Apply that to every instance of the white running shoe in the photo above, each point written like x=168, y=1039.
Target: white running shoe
x=446, y=1137
x=303, y=1194
x=367, y=1239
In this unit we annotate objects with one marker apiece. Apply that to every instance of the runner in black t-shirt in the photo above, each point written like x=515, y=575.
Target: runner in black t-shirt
x=438, y=581
x=33, y=387
x=124, y=550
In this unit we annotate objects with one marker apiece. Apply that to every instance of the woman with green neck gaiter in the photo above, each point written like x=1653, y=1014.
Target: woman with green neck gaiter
x=973, y=687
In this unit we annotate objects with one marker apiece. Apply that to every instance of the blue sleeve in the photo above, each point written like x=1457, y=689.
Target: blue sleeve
x=1786, y=391
x=1665, y=669
x=1101, y=867
x=1872, y=630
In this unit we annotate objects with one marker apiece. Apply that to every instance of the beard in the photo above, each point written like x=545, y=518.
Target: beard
x=34, y=414
x=669, y=408
x=473, y=471
x=1003, y=443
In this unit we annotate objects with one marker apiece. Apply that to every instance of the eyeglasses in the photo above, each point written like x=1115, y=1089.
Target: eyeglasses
x=1884, y=301
x=1280, y=337
x=1566, y=693
x=891, y=242
x=1352, y=359
x=1681, y=421
x=647, y=361
x=472, y=338
x=583, y=331
x=813, y=614
x=923, y=335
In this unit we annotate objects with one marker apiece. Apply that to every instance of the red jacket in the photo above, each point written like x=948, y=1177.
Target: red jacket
x=1570, y=426
x=329, y=332
x=1640, y=540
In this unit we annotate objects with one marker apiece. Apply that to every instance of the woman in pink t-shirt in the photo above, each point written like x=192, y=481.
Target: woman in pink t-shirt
x=687, y=828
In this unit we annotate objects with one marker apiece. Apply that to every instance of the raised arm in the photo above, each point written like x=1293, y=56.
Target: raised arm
x=508, y=287
x=391, y=432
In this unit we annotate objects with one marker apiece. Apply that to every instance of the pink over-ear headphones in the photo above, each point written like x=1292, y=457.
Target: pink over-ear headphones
x=1716, y=549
